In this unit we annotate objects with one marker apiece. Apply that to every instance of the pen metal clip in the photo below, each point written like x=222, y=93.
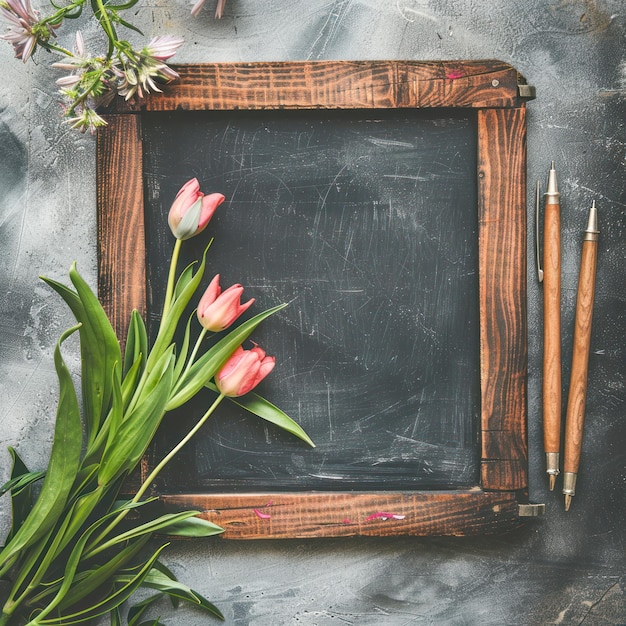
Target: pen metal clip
x=537, y=249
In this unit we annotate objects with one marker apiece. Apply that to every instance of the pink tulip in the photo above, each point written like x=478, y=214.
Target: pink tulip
x=191, y=210
x=217, y=310
x=243, y=371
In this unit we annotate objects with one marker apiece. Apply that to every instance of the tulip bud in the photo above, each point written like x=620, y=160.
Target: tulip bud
x=191, y=210
x=243, y=371
x=217, y=310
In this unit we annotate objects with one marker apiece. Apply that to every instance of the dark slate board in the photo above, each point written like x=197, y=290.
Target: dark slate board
x=366, y=223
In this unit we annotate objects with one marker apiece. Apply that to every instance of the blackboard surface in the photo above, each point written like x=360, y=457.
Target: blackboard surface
x=366, y=223
x=385, y=201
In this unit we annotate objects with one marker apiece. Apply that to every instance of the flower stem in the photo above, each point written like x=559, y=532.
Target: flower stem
x=95, y=548
x=172, y=453
x=54, y=48
x=191, y=360
x=169, y=294
x=105, y=22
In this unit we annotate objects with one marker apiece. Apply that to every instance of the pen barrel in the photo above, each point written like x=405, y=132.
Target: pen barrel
x=552, y=325
x=580, y=357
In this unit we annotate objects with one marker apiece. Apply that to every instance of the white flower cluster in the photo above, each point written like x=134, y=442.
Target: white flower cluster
x=95, y=81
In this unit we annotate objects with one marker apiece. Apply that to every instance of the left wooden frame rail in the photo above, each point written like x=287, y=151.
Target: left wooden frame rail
x=498, y=93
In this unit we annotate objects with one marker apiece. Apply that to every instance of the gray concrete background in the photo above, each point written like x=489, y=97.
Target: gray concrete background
x=563, y=569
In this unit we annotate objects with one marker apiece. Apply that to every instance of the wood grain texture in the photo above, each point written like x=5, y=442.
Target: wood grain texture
x=121, y=241
x=301, y=515
x=575, y=417
x=552, y=327
x=490, y=506
x=502, y=269
x=336, y=85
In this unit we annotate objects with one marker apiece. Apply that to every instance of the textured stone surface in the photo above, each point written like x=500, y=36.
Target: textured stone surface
x=563, y=569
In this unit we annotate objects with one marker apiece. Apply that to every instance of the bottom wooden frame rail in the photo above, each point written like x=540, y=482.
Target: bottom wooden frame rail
x=328, y=514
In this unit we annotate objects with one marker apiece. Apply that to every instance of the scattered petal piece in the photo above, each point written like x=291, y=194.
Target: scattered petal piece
x=384, y=516
x=454, y=74
x=261, y=515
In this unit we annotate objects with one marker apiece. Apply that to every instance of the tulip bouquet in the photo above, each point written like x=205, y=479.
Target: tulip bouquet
x=80, y=548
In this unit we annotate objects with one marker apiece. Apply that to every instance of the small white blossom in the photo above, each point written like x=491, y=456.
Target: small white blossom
x=140, y=74
x=22, y=27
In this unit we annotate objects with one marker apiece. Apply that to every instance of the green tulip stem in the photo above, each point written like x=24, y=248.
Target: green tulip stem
x=94, y=548
x=174, y=451
x=193, y=354
x=171, y=279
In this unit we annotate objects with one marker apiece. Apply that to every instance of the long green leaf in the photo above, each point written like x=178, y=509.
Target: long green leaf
x=73, y=562
x=161, y=524
x=114, y=419
x=166, y=571
x=137, y=430
x=184, y=279
x=110, y=426
x=62, y=467
x=264, y=409
x=21, y=493
x=136, y=341
x=102, y=574
x=103, y=353
x=129, y=584
x=159, y=582
x=18, y=483
x=181, y=357
x=99, y=348
x=193, y=527
x=78, y=515
x=170, y=322
x=131, y=380
x=61, y=586
x=83, y=479
x=203, y=370
x=116, y=616
x=136, y=612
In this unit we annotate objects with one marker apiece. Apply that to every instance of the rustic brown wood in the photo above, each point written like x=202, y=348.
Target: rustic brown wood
x=551, y=384
x=489, y=86
x=121, y=241
x=336, y=85
x=580, y=358
x=300, y=515
x=502, y=269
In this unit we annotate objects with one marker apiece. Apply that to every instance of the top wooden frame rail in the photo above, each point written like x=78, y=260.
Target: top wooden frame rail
x=338, y=85
x=498, y=93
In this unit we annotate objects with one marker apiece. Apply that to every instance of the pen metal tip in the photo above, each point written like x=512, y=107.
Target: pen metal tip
x=568, y=501
x=553, y=188
x=552, y=482
x=592, y=223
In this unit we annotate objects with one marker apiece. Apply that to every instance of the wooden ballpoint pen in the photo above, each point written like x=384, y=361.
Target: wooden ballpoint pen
x=580, y=358
x=552, y=327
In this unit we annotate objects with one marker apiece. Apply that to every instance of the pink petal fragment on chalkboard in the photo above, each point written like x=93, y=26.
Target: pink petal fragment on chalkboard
x=261, y=515
x=384, y=516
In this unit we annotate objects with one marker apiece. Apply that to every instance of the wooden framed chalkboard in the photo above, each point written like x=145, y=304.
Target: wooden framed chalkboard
x=386, y=202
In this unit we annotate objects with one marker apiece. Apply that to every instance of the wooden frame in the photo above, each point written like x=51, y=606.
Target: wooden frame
x=490, y=87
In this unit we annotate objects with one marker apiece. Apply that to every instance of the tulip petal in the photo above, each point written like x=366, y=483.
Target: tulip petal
x=209, y=206
x=188, y=225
